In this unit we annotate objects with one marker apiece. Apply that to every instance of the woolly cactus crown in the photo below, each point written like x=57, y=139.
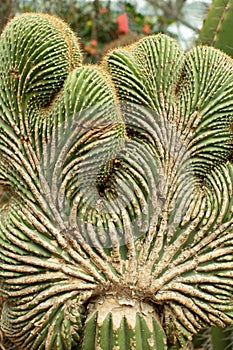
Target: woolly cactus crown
x=118, y=233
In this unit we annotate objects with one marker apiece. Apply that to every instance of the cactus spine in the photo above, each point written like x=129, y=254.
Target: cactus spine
x=118, y=233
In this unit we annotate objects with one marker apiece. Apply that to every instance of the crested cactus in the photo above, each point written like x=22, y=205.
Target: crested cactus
x=118, y=231
x=216, y=30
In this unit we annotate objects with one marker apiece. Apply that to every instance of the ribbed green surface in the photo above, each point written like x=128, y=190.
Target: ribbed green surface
x=190, y=133
x=55, y=115
x=216, y=30
x=192, y=91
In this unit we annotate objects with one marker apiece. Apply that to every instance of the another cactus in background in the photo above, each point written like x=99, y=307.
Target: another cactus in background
x=217, y=27
x=118, y=233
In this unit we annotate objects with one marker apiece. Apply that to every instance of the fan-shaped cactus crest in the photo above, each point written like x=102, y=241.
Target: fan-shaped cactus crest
x=118, y=230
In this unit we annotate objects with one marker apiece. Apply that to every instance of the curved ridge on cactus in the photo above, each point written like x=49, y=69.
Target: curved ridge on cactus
x=118, y=233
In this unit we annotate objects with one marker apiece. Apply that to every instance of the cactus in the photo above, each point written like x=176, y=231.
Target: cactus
x=44, y=89
x=216, y=30
x=185, y=89
x=118, y=231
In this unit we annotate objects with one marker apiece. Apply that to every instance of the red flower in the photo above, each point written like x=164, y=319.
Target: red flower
x=91, y=47
x=122, y=22
x=93, y=42
x=146, y=28
x=103, y=10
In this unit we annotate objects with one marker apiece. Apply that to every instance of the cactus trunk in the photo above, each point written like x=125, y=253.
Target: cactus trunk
x=123, y=323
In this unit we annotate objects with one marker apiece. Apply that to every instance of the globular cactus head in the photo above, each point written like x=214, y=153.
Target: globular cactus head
x=118, y=233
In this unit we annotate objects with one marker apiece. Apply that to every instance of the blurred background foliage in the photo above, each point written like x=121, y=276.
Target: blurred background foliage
x=102, y=25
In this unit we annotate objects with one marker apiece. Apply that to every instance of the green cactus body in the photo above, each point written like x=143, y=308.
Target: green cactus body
x=216, y=30
x=121, y=323
x=118, y=233
x=185, y=90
